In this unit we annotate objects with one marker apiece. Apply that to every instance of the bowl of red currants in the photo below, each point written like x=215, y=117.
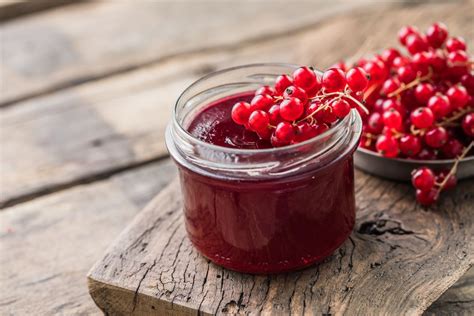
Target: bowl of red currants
x=420, y=120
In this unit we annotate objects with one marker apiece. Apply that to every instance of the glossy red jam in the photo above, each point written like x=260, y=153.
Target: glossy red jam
x=265, y=226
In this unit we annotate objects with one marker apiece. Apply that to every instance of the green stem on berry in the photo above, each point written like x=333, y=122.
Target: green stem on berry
x=455, y=166
x=412, y=84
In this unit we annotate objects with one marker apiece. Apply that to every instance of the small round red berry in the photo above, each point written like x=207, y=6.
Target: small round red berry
x=405, y=32
x=390, y=85
x=375, y=123
x=387, y=145
x=423, y=178
x=423, y=92
x=437, y=34
x=458, y=58
x=440, y=105
x=340, y=108
x=426, y=154
x=261, y=102
x=468, y=124
x=416, y=43
x=392, y=104
x=306, y=78
x=468, y=82
x=240, y=113
x=284, y=132
x=436, y=60
x=420, y=63
x=291, y=109
x=455, y=43
x=400, y=61
x=450, y=183
x=406, y=73
x=452, y=148
x=274, y=114
x=422, y=117
x=265, y=90
x=334, y=80
x=458, y=96
x=376, y=70
x=392, y=119
x=282, y=82
x=357, y=79
x=326, y=115
x=389, y=54
x=304, y=131
x=259, y=121
x=410, y=145
x=436, y=137
x=296, y=92
x=427, y=198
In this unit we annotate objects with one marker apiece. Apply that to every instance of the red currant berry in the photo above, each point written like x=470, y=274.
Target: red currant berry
x=410, y=145
x=468, y=82
x=423, y=92
x=452, y=148
x=450, y=183
x=426, y=154
x=265, y=90
x=326, y=115
x=240, y=113
x=321, y=128
x=455, y=43
x=436, y=137
x=357, y=79
x=406, y=73
x=304, y=131
x=258, y=121
x=340, y=108
x=400, y=61
x=458, y=96
x=390, y=85
x=295, y=92
x=427, y=198
x=437, y=34
x=334, y=80
x=284, y=132
x=405, y=32
x=387, y=145
x=436, y=60
x=291, y=109
x=423, y=178
x=274, y=114
x=458, y=58
x=440, y=105
x=422, y=117
x=392, y=119
x=392, y=104
x=340, y=65
x=282, y=82
x=468, y=124
x=261, y=102
x=306, y=78
x=375, y=123
x=416, y=43
x=376, y=70
x=389, y=54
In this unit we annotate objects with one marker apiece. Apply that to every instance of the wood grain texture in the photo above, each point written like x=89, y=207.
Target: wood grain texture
x=48, y=245
x=89, y=41
x=77, y=134
x=399, y=259
x=10, y=9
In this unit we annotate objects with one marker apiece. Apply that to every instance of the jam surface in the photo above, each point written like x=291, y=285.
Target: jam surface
x=264, y=226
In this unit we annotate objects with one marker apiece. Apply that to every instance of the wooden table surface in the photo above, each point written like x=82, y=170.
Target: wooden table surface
x=86, y=92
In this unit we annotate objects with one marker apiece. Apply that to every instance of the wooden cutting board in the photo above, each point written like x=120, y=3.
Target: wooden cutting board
x=399, y=259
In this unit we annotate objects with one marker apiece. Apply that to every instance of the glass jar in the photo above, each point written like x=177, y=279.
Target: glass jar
x=266, y=210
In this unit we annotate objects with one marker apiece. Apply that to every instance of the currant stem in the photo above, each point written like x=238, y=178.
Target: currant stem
x=455, y=166
x=456, y=116
x=412, y=84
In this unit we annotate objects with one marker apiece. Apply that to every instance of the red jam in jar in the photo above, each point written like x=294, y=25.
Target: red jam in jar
x=250, y=207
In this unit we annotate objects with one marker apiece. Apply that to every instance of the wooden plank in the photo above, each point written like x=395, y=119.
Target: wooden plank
x=48, y=245
x=76, y=134
x=10, y=9
x=398, y=261
x=82, y=43
x=457, y=300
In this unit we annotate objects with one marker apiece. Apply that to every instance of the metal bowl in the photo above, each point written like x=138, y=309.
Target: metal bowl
x=400, y=169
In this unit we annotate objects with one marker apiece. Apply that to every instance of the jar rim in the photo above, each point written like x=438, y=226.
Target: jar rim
x=184, y=132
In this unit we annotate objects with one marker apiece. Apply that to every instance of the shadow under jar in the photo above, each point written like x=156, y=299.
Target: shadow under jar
x=264, y=210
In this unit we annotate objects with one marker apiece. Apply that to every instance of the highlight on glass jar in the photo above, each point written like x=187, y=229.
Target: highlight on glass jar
x=265, y=159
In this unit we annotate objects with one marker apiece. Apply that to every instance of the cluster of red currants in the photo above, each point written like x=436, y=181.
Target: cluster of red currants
x=421, y=104
x=301, y=106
